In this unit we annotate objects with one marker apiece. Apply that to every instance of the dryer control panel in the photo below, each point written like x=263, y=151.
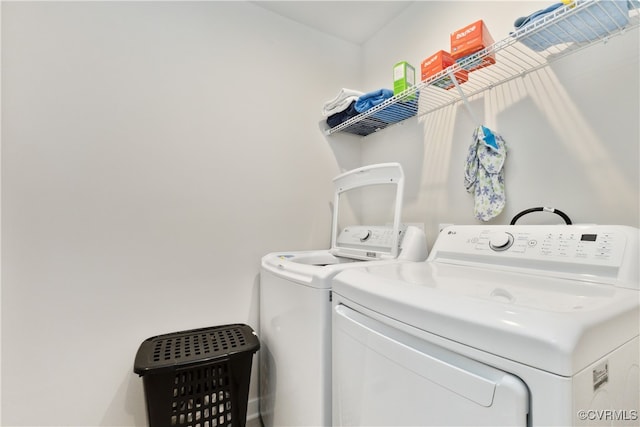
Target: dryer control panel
x=603, y=246
x=602, y=253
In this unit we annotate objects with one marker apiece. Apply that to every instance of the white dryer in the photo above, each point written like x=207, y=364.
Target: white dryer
x=503, y=325
x=295, y=301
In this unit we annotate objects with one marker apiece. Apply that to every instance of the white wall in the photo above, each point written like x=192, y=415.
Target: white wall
x=152, y=152
x=571, y=128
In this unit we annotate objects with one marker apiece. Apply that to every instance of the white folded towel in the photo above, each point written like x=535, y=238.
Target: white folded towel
x=340, y=103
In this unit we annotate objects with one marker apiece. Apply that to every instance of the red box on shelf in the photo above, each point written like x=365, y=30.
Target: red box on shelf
x=438, y=62
x=469, y=40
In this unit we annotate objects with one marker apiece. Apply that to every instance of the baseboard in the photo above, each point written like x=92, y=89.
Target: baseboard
x=253, y=413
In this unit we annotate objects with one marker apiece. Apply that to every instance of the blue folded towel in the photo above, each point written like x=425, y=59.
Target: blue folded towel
x=398, y=112
x=371, y=99
x=593, y=21
x=523, y=20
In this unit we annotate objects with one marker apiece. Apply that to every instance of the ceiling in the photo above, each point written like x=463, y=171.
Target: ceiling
x=353, y=21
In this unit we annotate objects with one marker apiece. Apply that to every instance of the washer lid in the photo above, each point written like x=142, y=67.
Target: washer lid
x=362, y=241
x=554, y=324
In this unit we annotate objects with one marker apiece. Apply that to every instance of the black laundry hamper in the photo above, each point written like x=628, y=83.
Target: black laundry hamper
x=199, y=377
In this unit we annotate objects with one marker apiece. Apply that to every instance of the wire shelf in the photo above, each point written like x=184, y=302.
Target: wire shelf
x=555, y=35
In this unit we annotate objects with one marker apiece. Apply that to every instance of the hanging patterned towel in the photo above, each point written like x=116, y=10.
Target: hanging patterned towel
x=484, y=173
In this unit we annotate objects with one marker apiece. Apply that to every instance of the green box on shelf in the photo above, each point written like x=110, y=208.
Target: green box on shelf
x=404, y=77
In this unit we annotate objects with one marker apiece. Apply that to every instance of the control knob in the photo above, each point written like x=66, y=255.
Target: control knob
x=500, y=241
x=363, y=235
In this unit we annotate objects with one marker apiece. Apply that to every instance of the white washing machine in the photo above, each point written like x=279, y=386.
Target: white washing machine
x=295, y=302
x=503, y=325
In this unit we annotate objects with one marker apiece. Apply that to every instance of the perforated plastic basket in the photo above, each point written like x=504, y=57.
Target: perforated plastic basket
x=199, y=377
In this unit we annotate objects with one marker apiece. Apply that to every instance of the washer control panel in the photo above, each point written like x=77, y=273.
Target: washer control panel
x=594, y=250
x=363, y=236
